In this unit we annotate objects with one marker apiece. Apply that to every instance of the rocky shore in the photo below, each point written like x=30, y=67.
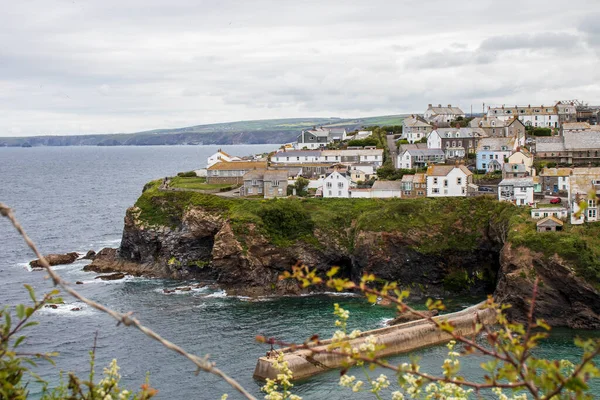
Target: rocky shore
x=207, y=244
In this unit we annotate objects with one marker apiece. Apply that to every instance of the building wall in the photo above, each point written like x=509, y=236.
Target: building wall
x=385, y=194
x=448, y=186
x=234, y=180
x=539, y=213
x=336, y=186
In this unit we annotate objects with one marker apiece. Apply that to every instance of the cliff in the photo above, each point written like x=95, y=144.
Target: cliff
x=432, y=247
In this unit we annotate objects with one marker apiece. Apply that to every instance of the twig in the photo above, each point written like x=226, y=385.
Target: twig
x=201, y=363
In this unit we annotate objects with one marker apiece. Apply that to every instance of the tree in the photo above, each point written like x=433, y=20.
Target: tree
x=301, y=185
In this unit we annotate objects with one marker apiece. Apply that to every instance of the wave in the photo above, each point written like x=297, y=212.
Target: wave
x=178, y=290
x=76, y=309
x=219, y=294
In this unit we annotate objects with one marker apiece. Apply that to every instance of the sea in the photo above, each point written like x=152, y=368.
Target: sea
x=75, y=198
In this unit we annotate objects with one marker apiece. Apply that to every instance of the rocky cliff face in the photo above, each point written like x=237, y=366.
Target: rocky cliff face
x=203, y=245
x=563, y=298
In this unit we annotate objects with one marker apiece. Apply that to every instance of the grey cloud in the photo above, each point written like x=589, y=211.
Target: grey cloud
x=449, y=59
x=536, y=41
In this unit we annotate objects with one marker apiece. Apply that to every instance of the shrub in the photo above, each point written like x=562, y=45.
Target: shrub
x=286, y=219
x=370, y=141
x=541, y=132
x=189, y=174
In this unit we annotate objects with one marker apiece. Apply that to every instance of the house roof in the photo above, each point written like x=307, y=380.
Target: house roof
x=486, y=122
x=581, y=180
x=387, y=185
x=524, y=110
x=425, y=152
x=549, y=144
x=575, y=125
x=280, y=175
x=444, y=170
x=556, y=171
x=415, y=121
x=238, y=165
x=298, y=153
x=517, y=182
x=582, y=140
x=353, y=152
x=514, y=167
x=495, y=144
x=446, y=110
x=550, y=221
x=463, y=133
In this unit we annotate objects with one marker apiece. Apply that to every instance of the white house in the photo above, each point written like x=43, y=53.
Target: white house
x=319, y=137
x=448, y=180
x=415, y=157
x=517, y=190
x=442, y=115
x=584, y=181
x=336, y=185
x=219, y=156
x=536, y=116
x=455, y=142
x=296, y=156
x=556, y=212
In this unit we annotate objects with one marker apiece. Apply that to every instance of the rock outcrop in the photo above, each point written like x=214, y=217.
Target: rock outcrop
x=563, y=298
x=55, y=259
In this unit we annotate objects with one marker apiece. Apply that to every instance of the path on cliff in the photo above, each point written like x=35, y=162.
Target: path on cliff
x=393, y=149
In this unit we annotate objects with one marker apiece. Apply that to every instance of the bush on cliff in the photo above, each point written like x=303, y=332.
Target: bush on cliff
x=286, y=219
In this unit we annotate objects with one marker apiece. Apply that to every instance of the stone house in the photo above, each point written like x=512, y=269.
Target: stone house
x=269, y=183
x=413, y=186
x=549, y=224
x=415, y=128
x=510, y=170
x=582, y=183
x=493, y=127
x=442, y=116
x=231, y=172
x=448, y=180
x=555, y=180
x=455, y=142
x=522, y=156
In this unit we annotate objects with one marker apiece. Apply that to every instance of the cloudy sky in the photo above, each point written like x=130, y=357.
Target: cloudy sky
x=102, y=66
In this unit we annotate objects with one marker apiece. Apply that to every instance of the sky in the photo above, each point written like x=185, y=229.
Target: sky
x=108, y=66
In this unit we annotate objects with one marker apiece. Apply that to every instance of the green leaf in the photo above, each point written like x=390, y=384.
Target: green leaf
x=31, y=293
x=18, y=341
x=20, y=310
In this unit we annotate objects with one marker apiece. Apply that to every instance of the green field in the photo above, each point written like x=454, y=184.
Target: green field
x=196, y=183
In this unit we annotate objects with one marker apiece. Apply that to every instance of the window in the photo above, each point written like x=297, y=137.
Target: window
x=483, y=166
x=483, y=157
x=339, y=192
x=330, y=193
x=459, y=181
x=249, y=190
x=260, y=189
x=287, y=159
x=435, y=181
x=275, y=183
x=445, y=182
x=329, y=184
x=435, y=190
x=341, y=185
x=254, y=182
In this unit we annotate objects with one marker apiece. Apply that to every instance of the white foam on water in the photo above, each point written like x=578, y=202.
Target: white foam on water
x=200, y=289
x=25, y=265
x=384, y=322
x=220, y=294
x=66, y=310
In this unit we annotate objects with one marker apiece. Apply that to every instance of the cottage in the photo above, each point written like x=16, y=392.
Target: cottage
x=494, y=149
x=386, y=189
x=584, y=182
x=419, y=157
x=493, y=127
x=510, y=170
x=524, y=157
x=537, y=116
x=219, y=156
x=320, y=137
x=448, y=180
x=516, y=190
x=567, y=111
x=296, y=157
x=555, y=180
x=232, y=172
x=442, y=116
x=336, y=185
x=269, y=183
x=413, y=186
x=415, y=128
x=549, y=224
x=543, y=212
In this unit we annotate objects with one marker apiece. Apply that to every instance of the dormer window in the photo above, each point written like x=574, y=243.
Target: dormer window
x=508, y=112
x=504, y=148
x=486, y=147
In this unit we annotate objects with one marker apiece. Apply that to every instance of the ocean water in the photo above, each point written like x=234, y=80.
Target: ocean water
x=74, y=199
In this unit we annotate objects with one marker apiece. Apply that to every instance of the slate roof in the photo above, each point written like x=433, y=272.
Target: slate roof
x=446, y=110
x=575, y=125
x=415, y=121
x=386, y=185
x=238, y=165
x=486, y=122
x=444, y=170
x=517, y=182
x=549, y=144
x=298, y=153
x=582, y=140
x=550, y=221
x=556, y=171
x=524, y=110
x=509, y=167
x=463, y=133
x=495, y=144
x=425, y=152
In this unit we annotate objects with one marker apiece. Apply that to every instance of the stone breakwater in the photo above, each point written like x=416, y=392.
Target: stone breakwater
x=396, y=339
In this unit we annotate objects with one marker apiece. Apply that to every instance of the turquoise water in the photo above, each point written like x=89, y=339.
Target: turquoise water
x=74, y=199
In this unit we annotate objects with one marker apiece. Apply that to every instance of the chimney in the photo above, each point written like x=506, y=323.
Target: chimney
x=439, y=105
x=430, y=105
x=456, y=164
x=449, y=105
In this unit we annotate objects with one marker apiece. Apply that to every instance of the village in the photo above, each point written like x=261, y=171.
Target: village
x=543, y=157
